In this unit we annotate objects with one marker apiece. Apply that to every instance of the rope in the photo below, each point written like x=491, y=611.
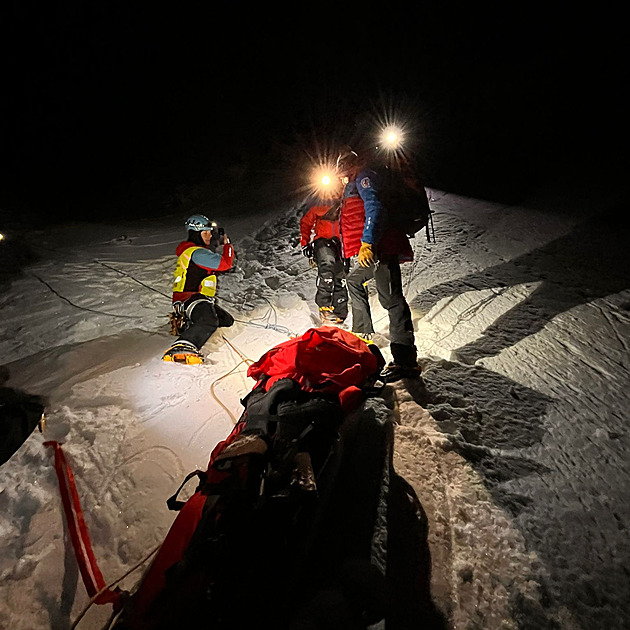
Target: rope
x=124, y=273
x=240, y=354
x=275, y=326
x=110, y=585
x=268, y=326
x=283, y=330
x=245, y=360
x=212, y=387
x=469, y=313
x=83, y=308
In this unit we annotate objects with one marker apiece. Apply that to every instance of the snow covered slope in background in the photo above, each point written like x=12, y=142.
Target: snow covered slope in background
x=516, y=443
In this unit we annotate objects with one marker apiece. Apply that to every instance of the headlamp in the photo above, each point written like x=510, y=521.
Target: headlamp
x=324, y=182
x=392, y=138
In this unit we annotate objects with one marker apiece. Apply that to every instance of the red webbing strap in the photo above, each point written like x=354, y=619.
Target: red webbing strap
x=91, y=574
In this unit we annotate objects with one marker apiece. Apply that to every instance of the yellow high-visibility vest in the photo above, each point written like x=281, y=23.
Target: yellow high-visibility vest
x=208, y=286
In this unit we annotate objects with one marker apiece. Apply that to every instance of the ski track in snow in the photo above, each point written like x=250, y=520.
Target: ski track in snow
x=516, y=443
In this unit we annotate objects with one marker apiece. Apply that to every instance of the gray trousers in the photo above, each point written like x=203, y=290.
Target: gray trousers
x=388, y=280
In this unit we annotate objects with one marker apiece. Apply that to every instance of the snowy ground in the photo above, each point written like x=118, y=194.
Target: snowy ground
x=516, y=444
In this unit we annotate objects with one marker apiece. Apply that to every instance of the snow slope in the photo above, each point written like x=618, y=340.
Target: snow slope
x=515, y=442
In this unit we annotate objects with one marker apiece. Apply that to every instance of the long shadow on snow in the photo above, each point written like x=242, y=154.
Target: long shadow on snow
x=593, y=255
x=488, y=418
x=373, y=512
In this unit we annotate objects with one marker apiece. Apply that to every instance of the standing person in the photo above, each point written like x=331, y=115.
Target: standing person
x=368, y=231
x=322, y=223
x=195, y=286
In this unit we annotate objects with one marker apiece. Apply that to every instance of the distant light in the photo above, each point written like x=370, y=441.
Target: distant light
x=1, y=237
x=326, y=180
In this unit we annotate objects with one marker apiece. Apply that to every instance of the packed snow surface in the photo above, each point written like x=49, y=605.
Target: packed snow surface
x=516, y=441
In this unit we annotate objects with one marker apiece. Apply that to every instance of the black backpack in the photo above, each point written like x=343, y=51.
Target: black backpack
x=405, y=201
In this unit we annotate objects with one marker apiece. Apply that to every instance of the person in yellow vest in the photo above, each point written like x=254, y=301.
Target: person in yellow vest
x=195, y=286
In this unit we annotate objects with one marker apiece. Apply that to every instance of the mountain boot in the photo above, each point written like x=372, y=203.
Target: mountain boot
x=183, y=352
x=394, y=372
x=367, y=337
x=328, y=316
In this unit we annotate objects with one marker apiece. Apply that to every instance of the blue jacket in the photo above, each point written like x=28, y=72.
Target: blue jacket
x=366, y=187
x=367, y=190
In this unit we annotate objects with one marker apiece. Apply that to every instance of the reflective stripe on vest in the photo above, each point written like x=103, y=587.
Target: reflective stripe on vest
x=208, y=285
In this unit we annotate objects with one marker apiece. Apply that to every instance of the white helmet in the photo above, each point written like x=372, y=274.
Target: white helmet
x=200, y=223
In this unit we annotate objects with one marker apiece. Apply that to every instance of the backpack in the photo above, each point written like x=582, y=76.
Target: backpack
x=406, y=202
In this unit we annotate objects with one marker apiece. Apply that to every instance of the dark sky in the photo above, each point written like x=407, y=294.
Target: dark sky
x=111, y=106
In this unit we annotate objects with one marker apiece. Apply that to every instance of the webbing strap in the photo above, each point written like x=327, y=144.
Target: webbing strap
x=90, y=572
x=172, y=502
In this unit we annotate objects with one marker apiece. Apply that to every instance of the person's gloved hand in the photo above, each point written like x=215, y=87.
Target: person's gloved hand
x=307, y=251
x=366, y=255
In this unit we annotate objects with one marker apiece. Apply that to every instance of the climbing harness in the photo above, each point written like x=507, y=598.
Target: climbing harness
x=177, y=319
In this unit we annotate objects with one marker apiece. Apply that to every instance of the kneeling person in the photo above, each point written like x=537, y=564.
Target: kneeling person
x=195, y=286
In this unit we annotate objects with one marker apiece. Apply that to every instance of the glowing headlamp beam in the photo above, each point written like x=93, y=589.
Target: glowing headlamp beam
x=324, y=182
x=391, y=138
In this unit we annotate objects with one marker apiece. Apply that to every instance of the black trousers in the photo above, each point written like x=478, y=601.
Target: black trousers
x=331, y=276
x=388, y=280
x=203, y=317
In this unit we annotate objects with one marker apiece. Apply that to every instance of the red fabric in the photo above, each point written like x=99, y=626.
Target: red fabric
x=313, y=221
x=352, y=222
x=79, y=536
x=183, y=246
x=178, y=537
x=171, y=551
x=326, y=359
x=394, y=243
x=351, y=397
x=227, y=256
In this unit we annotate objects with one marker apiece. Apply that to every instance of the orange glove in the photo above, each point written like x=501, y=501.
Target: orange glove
x=366, y=255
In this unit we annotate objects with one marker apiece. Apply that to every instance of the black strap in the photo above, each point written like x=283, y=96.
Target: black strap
x=175, y=505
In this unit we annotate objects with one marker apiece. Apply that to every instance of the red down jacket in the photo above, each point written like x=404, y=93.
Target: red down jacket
x=320, y=221
x=326, y=359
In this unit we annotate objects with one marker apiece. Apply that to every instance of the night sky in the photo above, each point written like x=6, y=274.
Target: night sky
x=110, y=108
